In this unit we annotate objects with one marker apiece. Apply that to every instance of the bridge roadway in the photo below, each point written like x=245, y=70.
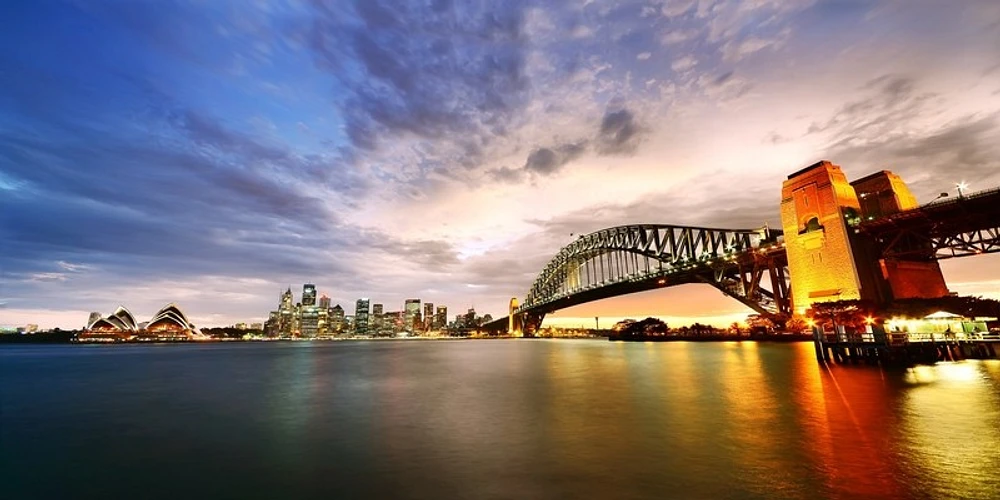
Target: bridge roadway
x=747, y=265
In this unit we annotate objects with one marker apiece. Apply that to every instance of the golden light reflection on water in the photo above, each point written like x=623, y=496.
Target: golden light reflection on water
x=950, y=428
x=641, y=420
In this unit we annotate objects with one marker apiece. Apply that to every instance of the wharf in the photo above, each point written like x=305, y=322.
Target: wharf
x=904, y=348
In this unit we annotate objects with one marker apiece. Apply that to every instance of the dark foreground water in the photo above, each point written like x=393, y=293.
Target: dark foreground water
x=489, y=419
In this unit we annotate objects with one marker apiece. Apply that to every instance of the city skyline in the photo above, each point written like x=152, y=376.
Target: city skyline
x=398, y=151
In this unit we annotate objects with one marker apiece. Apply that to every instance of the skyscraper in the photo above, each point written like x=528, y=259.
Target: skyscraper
x=441, y=318
x=361, y=317
x=308, y=294
x=337, y=319
x=323, y=326
x=377, y=319
x=309, y=319
x=411, y=315
x=286, y=314
x=428, y=316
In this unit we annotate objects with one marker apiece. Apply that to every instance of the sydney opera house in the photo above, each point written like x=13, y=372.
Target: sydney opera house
x=168, y=324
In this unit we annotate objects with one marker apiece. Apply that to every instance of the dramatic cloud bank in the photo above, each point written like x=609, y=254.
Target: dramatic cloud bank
x=213, y=153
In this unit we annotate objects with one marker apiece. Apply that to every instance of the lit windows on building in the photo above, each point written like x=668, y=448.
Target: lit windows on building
x=361, y=312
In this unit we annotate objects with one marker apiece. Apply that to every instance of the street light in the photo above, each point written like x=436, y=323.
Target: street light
x=962, y=186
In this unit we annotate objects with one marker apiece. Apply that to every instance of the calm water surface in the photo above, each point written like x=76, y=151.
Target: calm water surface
x=521, y=419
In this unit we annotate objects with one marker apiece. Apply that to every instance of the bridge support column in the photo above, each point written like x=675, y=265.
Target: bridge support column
x=531, y=322
x=817, y=206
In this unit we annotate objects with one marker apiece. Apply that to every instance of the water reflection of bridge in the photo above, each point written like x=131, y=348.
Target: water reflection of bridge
x=865, y=240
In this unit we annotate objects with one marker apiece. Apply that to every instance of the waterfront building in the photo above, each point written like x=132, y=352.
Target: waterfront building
x=297, y=319
x=94, y=316
x=411, y=315
x=392, y=321
x=308, y=294
x=361, y=311
x=121, y=322
x=309, y=323
x=323, y=324
x=169, y=323
x=337, y=319
x=441, y=317
x=286, y=313
x=428, y=322
x=377, y=319
x=272, y=327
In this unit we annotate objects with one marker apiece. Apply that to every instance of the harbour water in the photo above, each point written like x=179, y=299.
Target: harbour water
x=526, y=419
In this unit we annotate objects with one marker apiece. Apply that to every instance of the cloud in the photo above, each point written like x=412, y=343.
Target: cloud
x=644, y=56
x=547, y=161
x=619, y=133
x=674, y=37
x=683, y=64
x=420, y=71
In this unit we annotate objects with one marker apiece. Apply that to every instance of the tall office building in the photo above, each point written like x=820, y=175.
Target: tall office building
x=323, y=326
x=441, y=318
x=428, y=316
x=361, y=317
x=286, y=314
x=337, y=319
x=377, y=319
x=310, y=322
x=411, y=315
x=308, y=313
x=308, y=294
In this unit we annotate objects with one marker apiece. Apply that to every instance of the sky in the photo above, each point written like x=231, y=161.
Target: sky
x=212, y=153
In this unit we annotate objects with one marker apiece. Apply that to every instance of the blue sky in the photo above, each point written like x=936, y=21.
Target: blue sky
x=212, y=153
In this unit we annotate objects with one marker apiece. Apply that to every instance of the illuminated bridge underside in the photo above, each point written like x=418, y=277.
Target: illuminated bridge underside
x=628, y=259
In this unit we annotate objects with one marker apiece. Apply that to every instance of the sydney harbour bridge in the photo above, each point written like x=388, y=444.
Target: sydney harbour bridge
x=862, y=240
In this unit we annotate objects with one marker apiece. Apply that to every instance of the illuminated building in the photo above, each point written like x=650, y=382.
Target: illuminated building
x=308, y=294
x=309, y=323
x=428, y=316
x=94, y=316
x=168, y=323
x=308, y=312
x=411, y=315
x=441, y=317
x=286, y=313
x=323, y=325
x=273, y=323
x=120, y=321
x=377, y=318
x=361, y=317
x=337, y=319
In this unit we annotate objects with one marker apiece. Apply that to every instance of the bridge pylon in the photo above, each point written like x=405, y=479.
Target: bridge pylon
x=829, y=259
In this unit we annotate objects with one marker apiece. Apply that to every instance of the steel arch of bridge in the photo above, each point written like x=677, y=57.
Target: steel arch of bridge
x=626, y=259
